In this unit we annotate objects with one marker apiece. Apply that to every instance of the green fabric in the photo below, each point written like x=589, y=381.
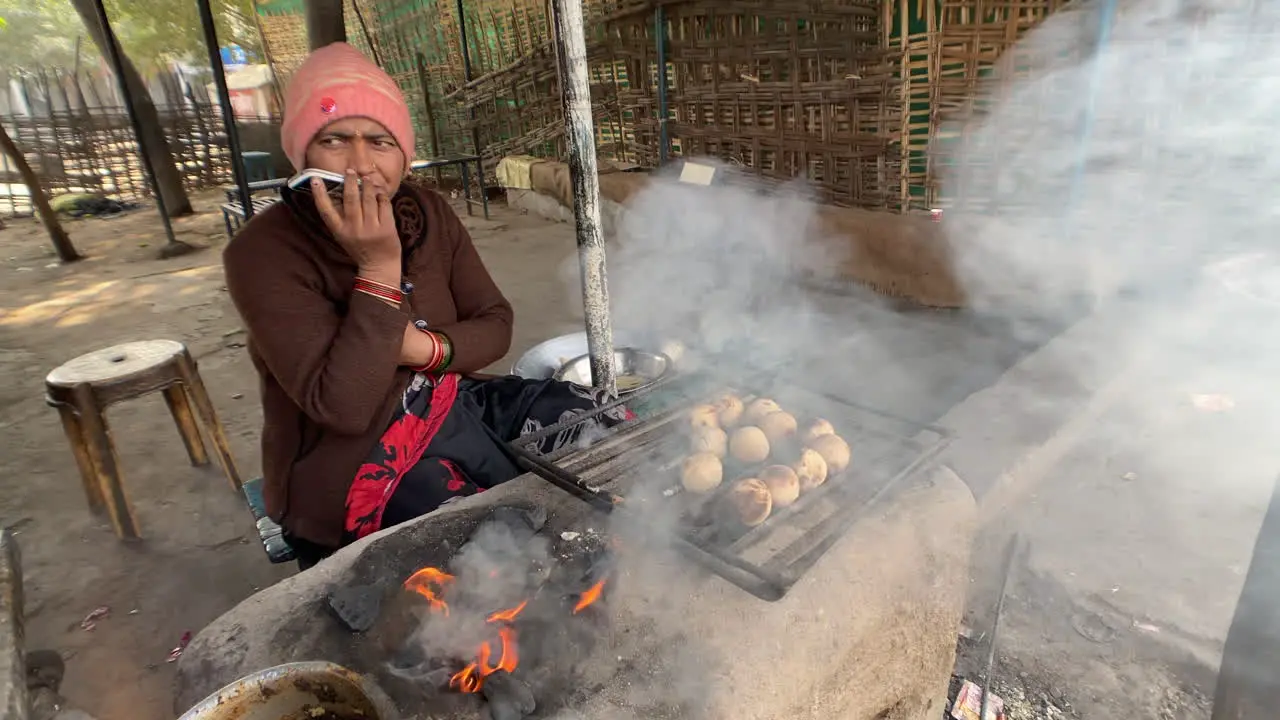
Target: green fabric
x=70, y=201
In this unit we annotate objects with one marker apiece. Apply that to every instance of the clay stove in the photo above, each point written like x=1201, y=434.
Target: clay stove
x=502, y=622
x=866, y=630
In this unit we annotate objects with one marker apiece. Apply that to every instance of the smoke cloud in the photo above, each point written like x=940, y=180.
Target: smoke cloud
x=1136, y=149
x=1134, y=153
x=719, y=269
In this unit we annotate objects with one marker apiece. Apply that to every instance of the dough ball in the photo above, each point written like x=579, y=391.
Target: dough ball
x=811, y=469
x=751, y=499
x=749, y=445
x=758, y=409
x=710, y=440
x=783, y=484
x=817, y=429
x=730, y=409
x=701, y=472
x=834, y=450
x=703, y=416
x=778, y=426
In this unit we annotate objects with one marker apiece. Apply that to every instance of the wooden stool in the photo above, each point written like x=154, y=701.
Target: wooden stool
x=82, y=389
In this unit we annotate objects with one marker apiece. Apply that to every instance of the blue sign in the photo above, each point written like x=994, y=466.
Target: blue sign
x=234, y=55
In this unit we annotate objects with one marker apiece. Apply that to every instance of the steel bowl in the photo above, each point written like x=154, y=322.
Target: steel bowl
x=635, y=369
x=297, y=691
x=543, y=360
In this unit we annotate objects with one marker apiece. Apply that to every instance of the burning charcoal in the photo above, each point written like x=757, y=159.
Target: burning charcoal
x=601, y=564
x=518, y=518
x=509, y=698
x=410, y=656
x=356, y=606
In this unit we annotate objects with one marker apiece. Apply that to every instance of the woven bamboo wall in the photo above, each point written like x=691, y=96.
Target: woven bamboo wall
x=516, y=100
x=787, y=89
x=514, y=96
x=284, y=35
x=850, y=94
x=77, y=136
x=949, y=52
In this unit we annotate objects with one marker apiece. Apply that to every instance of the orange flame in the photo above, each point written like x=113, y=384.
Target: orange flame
x=587, y=598
x=430, y=583
x=471, y=678
x=508, y=615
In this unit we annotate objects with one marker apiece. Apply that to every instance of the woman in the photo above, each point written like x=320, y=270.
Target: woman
x=365, y=310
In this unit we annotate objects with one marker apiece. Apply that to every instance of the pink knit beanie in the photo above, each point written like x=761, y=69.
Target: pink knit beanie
x=337, y=82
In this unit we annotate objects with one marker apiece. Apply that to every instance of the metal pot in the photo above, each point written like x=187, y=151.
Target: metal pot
x=297, y=691
x=647, y=367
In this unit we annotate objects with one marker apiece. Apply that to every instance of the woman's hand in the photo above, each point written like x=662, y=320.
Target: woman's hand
x=415, y=348
x=365, y=227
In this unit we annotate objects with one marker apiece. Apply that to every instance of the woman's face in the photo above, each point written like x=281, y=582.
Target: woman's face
x=362, y=145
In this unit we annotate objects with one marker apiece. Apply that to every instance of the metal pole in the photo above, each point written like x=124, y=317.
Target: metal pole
x=326, y=23
x=660, y=39
x=1011, y=552
x=117, y=65
x=471, y=115
x=575, y=99
x=1249, y=678
x=224, y=101
x=466, y=54
x=1070, y=227
x=1106, y=21
x=423, y=80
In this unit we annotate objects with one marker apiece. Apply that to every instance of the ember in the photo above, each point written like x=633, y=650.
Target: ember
x=430, y=583
x=470, y=679
x=589, y=597
x=507, y=566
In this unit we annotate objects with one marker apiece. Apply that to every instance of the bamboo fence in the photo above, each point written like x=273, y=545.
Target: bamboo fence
x=848, y=94
x=76, y=134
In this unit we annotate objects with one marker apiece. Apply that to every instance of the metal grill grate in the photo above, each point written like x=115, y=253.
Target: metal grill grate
x=766, y=560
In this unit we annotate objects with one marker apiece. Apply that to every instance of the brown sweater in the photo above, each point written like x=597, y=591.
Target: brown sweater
x=329, y=358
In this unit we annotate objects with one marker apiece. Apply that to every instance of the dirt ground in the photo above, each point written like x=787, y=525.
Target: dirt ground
x=200, y=555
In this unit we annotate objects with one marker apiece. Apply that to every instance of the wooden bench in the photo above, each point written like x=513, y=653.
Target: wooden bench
x=233, y=215
x=463, y=162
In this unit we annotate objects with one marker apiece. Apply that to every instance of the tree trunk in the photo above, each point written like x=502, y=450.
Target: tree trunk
x=61, y=242
x=326, y=23
x=151, y=137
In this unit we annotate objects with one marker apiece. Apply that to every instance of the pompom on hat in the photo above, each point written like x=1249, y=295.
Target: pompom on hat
x=337, y=82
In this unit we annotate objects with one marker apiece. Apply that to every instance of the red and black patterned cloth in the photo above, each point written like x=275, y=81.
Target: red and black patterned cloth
x=442, y=443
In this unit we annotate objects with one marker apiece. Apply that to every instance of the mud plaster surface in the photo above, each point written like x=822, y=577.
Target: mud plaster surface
x=868, y=633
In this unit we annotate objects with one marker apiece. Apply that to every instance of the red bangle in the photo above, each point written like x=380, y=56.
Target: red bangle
x=436, y=359
x=434, y=362
x=379, y=290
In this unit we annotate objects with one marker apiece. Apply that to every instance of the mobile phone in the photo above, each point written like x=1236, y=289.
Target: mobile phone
x=302, y=181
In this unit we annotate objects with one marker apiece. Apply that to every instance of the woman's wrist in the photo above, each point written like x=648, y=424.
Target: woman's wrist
x=389, y=294
x=447, y=358
x=383, y=273
x=438, y=352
